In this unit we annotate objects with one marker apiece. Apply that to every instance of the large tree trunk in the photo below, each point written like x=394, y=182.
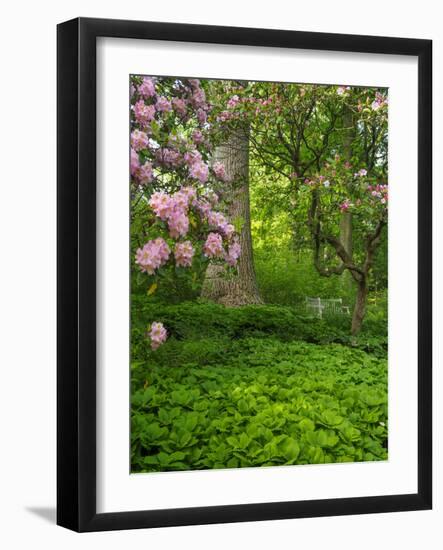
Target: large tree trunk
x=241, y=288
x=346, y=217
x=360, y=306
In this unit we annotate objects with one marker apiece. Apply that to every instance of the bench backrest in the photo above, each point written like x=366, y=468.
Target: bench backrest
x=319, y=306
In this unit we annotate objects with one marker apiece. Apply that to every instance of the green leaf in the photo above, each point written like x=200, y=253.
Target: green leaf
x=306, y=424
x=289, y=448
x=152, y=289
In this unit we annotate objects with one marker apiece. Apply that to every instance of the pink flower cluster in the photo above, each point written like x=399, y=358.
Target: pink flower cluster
x=163, y=105
x=379, y=192
x=362, y=172
x=202, y=116
x=173, y=209
x=147, y=87
x=213, y=247
x=197, y=137
x=199, y=171
x=379, y=101
x=183, y=253
x=139, y=140
x=342, y=90
x=197, y=168
x=219, y=222
x=197, y=100
x=145, y=174
x=157, y=334
x=135, y=162
x=153, y=255
x=143, y=113
x=191, y=157
x=168, y=157
x=179, y=106
x=233, y=102
x=219, y=171
x=232, y=113
x=233, y=254
x=178, y=223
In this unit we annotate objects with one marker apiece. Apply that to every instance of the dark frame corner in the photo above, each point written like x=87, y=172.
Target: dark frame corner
x=76, y=273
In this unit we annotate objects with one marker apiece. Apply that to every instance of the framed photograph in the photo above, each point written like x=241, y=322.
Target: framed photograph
x=244, y=274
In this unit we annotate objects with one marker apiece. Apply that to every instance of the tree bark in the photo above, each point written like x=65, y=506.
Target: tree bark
x=240, y=288
x=346, y=217
x=360, y=306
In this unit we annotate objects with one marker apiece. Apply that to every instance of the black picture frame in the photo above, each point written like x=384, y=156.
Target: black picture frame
x=76, y=280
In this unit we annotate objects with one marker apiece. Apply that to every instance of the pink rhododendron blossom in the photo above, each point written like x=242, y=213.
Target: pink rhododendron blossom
x=341, y=90
x=345, y=205
x=213, y=247
x=201, y=116
x=178, y=223
x=158, y=335
x=135, y=162
x=203, y=207
x=179, y=106
x=379, y=192
x=184, y=253
x=145, y=174
x=228, y=230
x=233, y=102
x=180, y=200
x=219, y=170
x=189, y=191
x=192, y=157
x=362, y=172
x=198, y=98
x=163, y=105
x=147, y=87
x=153, y=255
x=161, y=203
x=233, y=254
x=168, y=157
x=218, y=221
x=139, y=140
x=143, y=113
x=197, y=137
x=199, y=171
x=225, y=116
x=379, y=101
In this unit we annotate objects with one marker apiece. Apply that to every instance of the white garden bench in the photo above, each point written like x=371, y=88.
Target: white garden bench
x=328, y=306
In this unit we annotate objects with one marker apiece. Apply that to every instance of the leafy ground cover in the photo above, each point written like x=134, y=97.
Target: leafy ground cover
x=254, y=386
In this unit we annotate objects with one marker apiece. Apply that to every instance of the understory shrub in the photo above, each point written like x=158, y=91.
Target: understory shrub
x=203, y=320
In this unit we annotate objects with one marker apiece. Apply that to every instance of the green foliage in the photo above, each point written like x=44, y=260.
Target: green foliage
x=254, y=386
x=205, y=330
x=286, y=278
x=266, y=403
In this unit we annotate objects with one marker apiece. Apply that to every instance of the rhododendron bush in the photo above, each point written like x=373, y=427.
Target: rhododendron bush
x=178, y=225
